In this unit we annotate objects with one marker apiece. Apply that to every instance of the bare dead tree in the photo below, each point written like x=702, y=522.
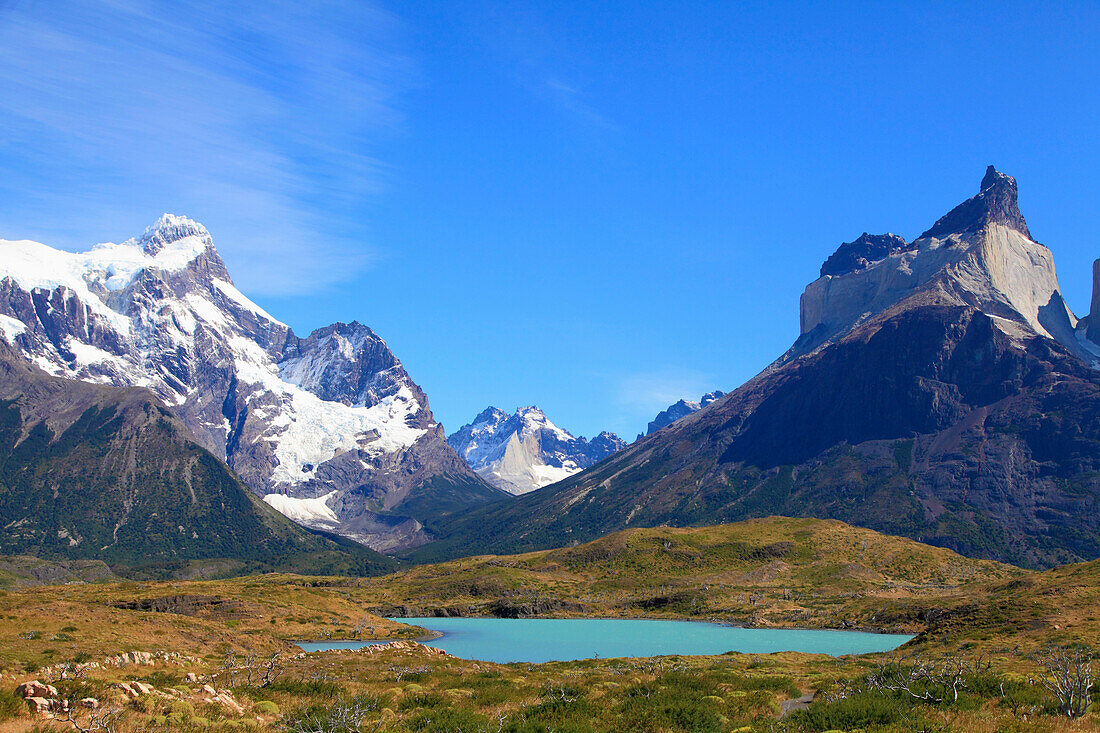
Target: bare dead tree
x=928, y=679
x=248, y=665
x=1068, y=677
x=344, y=716
x=271, y=669
x=365, y=622
x=1015, y=702
x=559, y=693
x=101, y=720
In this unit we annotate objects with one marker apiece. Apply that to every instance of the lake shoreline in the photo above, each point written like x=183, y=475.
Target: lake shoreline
x=540, y=640
x=915, y=630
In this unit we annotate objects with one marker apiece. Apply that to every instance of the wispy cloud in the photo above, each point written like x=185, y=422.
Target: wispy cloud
x=257, y=118
x=573, y=102
x=648, y=393
x=545, y=61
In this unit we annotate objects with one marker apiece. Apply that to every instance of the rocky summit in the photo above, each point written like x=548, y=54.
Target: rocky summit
x=679, y=409
x=330, y=429
x=940, y=390
x=525, y=451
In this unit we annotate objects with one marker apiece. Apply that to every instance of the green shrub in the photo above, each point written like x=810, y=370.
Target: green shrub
x=295, y=688
x=860, y=711
x=451, y=720
x=10, y=705
x=427, y=700
x=182, y=711
x=266, y=707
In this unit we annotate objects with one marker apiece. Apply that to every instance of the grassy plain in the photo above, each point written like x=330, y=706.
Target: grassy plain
x=772, y=572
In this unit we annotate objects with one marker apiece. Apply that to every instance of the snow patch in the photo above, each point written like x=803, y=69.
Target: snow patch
x=11, y=327
x=303, y=510
x=231, y=292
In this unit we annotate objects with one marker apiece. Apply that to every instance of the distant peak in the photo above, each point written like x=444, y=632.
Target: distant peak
x=994, y=177
x=489, y=414
x=862, y=252
x=170, y=228
x=996, y=203
x=711, y=397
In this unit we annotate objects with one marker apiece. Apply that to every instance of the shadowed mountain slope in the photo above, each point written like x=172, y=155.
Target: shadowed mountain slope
x=943, y=392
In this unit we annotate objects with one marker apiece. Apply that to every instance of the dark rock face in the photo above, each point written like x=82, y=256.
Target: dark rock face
x=945, y=411
x=344, y=362
x=185, y=605
x=994, y=204
x=864, y=251
x=604, y=445
x=1093, y=332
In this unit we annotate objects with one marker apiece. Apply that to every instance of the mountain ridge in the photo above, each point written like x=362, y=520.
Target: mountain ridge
x=941, y=393
x=680, y=408
x=525, y=451
x=96, y=472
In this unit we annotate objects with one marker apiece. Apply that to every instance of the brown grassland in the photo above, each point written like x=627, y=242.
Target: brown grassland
x=769, y=573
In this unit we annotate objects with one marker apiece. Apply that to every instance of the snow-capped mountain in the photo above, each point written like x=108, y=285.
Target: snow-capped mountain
x=525, y=451
x=329, y=429
x=679, y=409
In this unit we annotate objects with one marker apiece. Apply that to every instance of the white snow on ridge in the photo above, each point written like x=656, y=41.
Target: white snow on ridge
x=521, y=452
x=157, y=342
x=318, y=430
x=303, y=510
x=242, y=300
x=10, y=328
x=312, y=430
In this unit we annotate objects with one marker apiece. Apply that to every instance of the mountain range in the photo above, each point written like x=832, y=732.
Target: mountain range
x=525, y=451
x=330, y=429
x=150, y=413
x=108, y=473
x=939, y=389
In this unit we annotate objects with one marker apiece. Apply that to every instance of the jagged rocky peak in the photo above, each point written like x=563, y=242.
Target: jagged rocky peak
x=525, y=451
x=995, y=203
x=979, y=255
x=1092, y=333
x=863, y=252
x=344, y=362
x=681, y=408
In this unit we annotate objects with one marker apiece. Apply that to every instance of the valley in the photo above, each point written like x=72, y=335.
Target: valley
x=190, y=490
x=179, y=636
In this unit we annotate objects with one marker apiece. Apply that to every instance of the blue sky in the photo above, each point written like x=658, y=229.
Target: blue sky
x=593, y=207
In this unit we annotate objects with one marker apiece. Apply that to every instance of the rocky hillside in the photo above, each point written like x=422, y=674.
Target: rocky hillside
x=93, y=472
x=940, y=390
x=525, y=451
x=329, y=429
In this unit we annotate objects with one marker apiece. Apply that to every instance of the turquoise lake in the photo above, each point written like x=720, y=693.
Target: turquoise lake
x=559, y=640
